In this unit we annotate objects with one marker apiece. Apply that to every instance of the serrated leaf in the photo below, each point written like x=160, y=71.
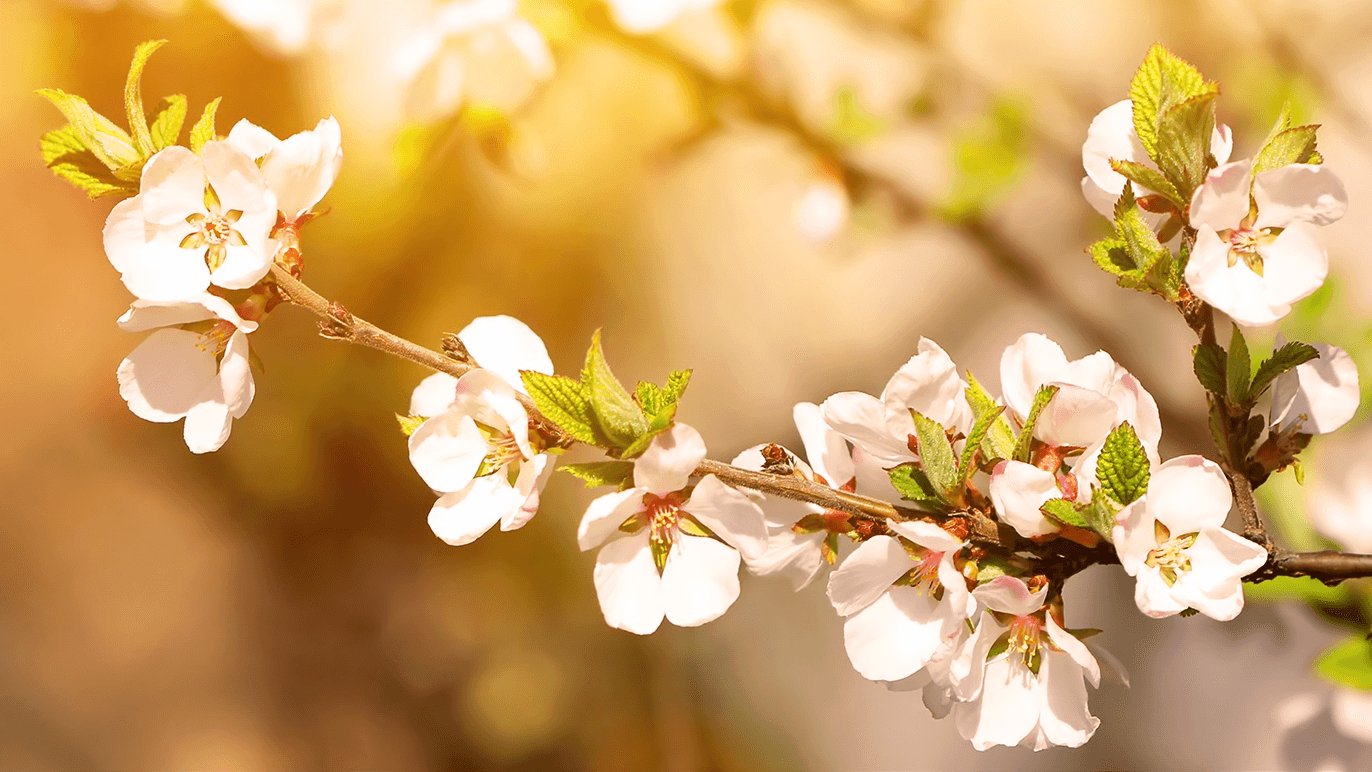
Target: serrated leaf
x=1123, y=468
x=1240, y=368
x=1147, y=256
x=657, y=424
x=1026, y=434
x=1291, y=146
x=676, y=385
x=1162, y=81
x=1100, y=513
x=1064, y=512
x=109, y=143
x=914, y=485
x=133, y=98
x=564, y=402
x=167, y=121
x=65, y=153
x=1149, y=178
x=1348, y=664
x=203, y=131
x=598, y=473
x=618, y=416
x=649, y=397
x=1210, y=363
x=1283, y=359
x=1184, y=134
x=936, y=458
x=408, y=423
x=999, y=442
x=981, y=429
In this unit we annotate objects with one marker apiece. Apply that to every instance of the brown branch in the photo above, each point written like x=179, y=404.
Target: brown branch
x=1329, y=566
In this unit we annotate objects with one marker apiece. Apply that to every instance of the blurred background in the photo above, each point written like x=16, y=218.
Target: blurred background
x=783, y=195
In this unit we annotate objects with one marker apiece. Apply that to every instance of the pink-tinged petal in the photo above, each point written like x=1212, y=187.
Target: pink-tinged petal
x=731, y=515
x=1222, y=201
x=1066, y=718
x=1076, y=417
x=1111, y=135
x=302, y=168
x=1074, y=648
x=628, y=586
x=700, y=580
x=1096, y=372
x=1188, y=493
x=533, y=475
x=207, y=426
x=1308, y=193
x=252, y=139
x=1236, y=290
x=504, y=345
x=825, y=448
x=1134, y=537
x=867, y=573
x=487, y=398
x=462, y=517
x=1027, y=364
x=447, y=451
x=605, y=514
x=163, y=377
x=928, y=384
x=1010, y=595
x=146, y=315
x=1008, y=709
x=967, y=666
x=956, y=598
x=172, y=186
x=861, y=419
x=1318, y=396
x=1137, y=407
x=1294, y=265
x=1018, y=490
x=433, y=395
x=927, y=535
x=1221, y=143
x=1219, y=559
x=667, y=464
x=235, y=178
x=1154, y=597
x=894, y=636
x=245, y=265
x=235, y=375
x=794, y=555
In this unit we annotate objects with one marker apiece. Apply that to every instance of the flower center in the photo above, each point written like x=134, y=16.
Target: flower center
x=1026, y=634
x=215, y=234
x=1170, y=557
x=502, y=450
x=214, y=335
x=924, y=576
x=663, y=514
x=1243, y=245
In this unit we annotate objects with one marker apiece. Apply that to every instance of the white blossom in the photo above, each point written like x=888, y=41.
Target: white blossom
x=670, y=550
x=1033, y=693
x=1318, y=396
x=1257, y=248
x=194, y=366
x=284, y=26
x=1173, y=542
x=473, y=52
x=299, y=169
x=197, y=220
x=641, y=17
x=1341, y=509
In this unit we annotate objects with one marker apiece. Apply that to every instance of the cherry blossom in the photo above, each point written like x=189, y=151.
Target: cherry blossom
x=669, y=549
x=1341, y=508
x=641, y=17
x=1172, y=541
x=299, y=169
x=474, y=52
x=903, y=597
x=283, y=26
x=1033, y=692
x=1318, y=396
x=475, y=448
x=197, y=220
x=1112, y=136
x=1257, y=248
x=928, y=384
x=194, y=366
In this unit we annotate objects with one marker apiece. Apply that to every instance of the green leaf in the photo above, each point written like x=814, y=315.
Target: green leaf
x=650, y=398
x=999, y=442
x=408, y=423
x=66, y=154
x=596, y=473
x=1123, y=465
x=1211, y=363
x=1240, y=368
x=656, y=425
x=167, y=121
x=203, y=130
x=564, y=402
x=133, y=98
x=1283, y=359
x=676, y=385
x=981, y=429
x=1149, y=178
x=1112, y=255
x=852, y=124
x=1348, y=664
x=1026, y=434
x=1100, y=513
x=618, y=415
x=1184, y=134
x=1301, y=588
x=1162, y=81
x=1151, y=260
x=111, y=144
x=914, y=485
x=936, y=458
x=1064, y=512
x=1291, y=146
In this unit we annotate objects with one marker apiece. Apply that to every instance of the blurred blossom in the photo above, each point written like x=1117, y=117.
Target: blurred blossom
x=640, y=17
x=822, y=210
x=1342, y=509
x=161, y=7
x=1329, y=730
x=285, y=27
x=1316, y=397
x=471, y=52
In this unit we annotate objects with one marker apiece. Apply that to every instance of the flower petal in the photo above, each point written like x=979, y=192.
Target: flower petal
x=236, y=180
x=1074, y=648
x=825, y=448
x=208, y=424
x=504, y=345
x=1188, y=493
x=1318, y=396
x=1294, y=265
x=146, y=315
x=433, y=395
x=1018, y=490
x=667, y=464
x=172, y=186
x=1219, y=559
x=867, y=573
x=533, y=475
x=1235, y=290
x=1076, y=417
x=1066, y=718
x=794, y=555
x=1111, y=135
x=1008, y=709
x=605, y=514
x=1027, y=364
x=487, y=398
x=731, y=515
x=447, y=450
x=252, y=139
x=894, y=636
x=236, y=386
x=302, y=168
x=700, y=580
x=163, y=377
x=927, y=535
x=1222, y=200
x=149, y=257
x=1310, y=193
x=245, y=265
x=1154, y=597
x=861, y=419
x=1010, y=595
x=463, y=516
x=1134, y=536
x=928, y=384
